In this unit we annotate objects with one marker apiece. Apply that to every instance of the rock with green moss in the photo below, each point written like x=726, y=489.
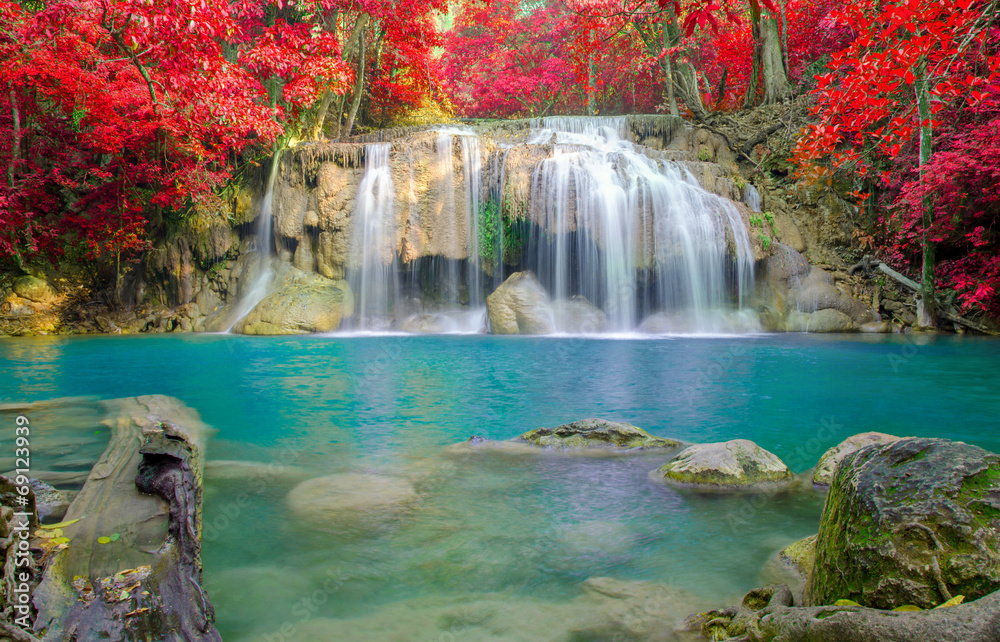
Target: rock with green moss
x=596, y=433
x=827, y=464
x=801, y=555
x=732, y=464
x=34, y=289
x=910, y=522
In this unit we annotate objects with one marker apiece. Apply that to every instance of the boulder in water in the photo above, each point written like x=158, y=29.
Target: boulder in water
x=827, y=465
x=303, y=303
x=827, y=321
x=739, y=463
x=596, y=433
x=520, y=306
x=350, y=499
x=913, y=522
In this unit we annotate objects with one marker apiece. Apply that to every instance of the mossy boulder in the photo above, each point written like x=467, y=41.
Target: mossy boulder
x=827, y=465
x=732, y=464
x=596, y=433
x=34, y=289
x=916, y=522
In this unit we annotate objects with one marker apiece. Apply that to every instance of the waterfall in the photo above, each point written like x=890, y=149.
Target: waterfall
x=261, y=285
x=374, y=272
x=751, y=197
x=632, y=234
x=472, y=175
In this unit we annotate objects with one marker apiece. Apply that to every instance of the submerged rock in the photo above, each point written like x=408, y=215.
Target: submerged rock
x=596, y=433
x=828, y=462
x=520, y=306
x=732, y=464
x=350, y=499
x=303, y=303
x=910, y=522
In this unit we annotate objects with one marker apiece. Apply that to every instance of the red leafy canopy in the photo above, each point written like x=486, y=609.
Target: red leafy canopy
x=120, y=107
x=867, y=122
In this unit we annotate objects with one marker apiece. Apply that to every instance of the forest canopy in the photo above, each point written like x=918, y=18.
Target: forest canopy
x=123, y=117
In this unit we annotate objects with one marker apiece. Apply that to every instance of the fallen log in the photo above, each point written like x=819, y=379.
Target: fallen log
x=132, y=570
x=943, y=311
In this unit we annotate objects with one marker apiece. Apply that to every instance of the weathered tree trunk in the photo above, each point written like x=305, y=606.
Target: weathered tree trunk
x=314, y=129
x=926, y=307
x=145, y=493
x=777, y=89
x=751, y=96
x=359, y=84
x=685, y=77
x=668, y=74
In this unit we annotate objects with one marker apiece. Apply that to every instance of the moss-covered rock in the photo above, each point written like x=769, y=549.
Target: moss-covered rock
x=34, y=289
x=732, y=464
x=828, y=462
x=596, y=433
x=911, y=522
x=801, y=554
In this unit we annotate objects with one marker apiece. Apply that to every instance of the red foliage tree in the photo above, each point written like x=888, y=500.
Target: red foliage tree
x=911, y=61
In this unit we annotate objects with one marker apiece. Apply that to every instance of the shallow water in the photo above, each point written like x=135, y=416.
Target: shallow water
x=500, y=534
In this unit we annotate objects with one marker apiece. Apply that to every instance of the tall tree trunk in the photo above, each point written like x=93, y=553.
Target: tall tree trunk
x=15, y=154
x=926, y=305
x=777, y=89
x=314, y=128
x=685, y=77
x=668, y=73
x=359, y=84
x=783, y=8
x=751, y=96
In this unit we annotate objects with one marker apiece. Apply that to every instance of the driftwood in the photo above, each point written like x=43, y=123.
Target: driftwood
x=979, y=621
x=145, y=495
x=867, y=263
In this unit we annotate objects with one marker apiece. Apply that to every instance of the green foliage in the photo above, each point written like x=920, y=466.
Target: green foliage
x=499, y=231
x=763, y=225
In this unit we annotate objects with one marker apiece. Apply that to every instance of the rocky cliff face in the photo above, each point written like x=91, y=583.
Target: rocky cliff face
x=468, y=207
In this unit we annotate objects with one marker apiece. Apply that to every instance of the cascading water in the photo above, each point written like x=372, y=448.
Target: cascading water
x=261, y=285
x=472, y=174
x=374, y=276
x=751, y=197
x=632, y=234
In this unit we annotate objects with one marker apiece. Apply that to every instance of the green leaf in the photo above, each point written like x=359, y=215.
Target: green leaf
x=907, y=608
x=846, y=603
x=115, y=537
